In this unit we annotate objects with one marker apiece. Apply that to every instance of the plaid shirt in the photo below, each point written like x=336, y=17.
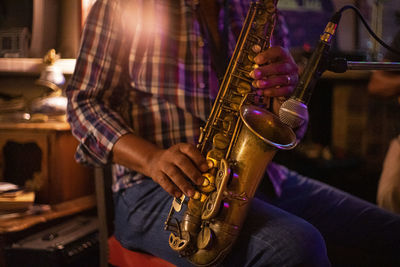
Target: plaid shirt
x=145, y=68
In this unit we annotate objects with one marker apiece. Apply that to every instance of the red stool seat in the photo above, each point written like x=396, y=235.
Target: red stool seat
x=122, y=257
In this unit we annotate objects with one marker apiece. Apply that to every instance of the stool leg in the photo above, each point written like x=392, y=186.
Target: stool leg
x=102, y=216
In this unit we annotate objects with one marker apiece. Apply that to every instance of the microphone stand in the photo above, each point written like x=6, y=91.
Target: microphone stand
x=340, y=65
x=361, y=65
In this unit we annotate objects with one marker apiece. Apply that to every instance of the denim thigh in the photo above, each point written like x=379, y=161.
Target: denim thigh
x=357, y=233
x=270, y=236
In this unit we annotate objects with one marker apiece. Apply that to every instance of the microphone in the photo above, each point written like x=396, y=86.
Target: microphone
x=294, y=111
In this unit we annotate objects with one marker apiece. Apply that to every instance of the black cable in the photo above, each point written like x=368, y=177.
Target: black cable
x=380, y=41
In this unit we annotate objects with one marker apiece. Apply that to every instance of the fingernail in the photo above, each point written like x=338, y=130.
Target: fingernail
x=255, y=74
x=210, y=164
x=262, y=83
x=251, y=74
x=204, y=167
x=200, y=181
x=259, y=59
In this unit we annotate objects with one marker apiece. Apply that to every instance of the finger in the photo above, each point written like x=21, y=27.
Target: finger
x=279, y=68
x=177, y=177
x=272, y=54
x=276, y=91
x=301, y=130
x=274, y=81
x=188, y=168
x=277, y=103
x=194, y=154
x=167, y=185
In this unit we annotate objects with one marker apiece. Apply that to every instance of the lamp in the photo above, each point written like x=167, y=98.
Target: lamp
x=51, y=77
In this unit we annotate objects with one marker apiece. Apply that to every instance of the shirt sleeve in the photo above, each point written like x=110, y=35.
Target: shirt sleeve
x=97, y=85
x=281, y=32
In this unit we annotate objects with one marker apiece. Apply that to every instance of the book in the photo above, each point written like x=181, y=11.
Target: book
x=16, y=200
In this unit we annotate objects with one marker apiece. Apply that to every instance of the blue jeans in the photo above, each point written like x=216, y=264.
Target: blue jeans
x=292, y=230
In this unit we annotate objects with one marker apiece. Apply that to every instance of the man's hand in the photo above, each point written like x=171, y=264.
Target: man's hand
x=176, y=169
x=277, y=73
x=277, y=76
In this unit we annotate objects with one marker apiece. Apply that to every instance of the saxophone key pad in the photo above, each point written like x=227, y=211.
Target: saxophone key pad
x=205, y=238
x=179, y=243
x=178, y=202
x=220, y=141
x=256, y=48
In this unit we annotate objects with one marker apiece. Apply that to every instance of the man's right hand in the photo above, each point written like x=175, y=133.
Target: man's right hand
x=176, y=169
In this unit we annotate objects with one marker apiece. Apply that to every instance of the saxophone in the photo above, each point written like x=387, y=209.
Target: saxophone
x=239, y=139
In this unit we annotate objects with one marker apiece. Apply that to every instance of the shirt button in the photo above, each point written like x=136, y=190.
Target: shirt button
x=201, y=85
x=200, y=42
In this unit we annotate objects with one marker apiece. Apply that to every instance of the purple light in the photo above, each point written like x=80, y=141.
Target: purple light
x=226, y=205
x=235, y=175
x=257, y=112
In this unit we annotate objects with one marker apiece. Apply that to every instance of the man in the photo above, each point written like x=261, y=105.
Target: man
x=144, y=84
x=387, y=84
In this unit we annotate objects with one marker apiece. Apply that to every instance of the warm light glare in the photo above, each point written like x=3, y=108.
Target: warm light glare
x=148, y=20
x=86, y=5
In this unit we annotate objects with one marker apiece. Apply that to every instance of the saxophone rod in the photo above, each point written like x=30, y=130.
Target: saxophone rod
x=362, y=65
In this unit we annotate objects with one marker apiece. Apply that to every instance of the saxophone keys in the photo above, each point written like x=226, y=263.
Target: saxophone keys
x=250, y=57
x=178, y=202
x=256, y=48
x=214, y=156
x=220, y=141
x=178, y=243
x=235, y=102
x=201, y=135
x=210, y=164
x=208, y=184
x=199, y=196
x=261, y=20
x=205, y=238
x=227, y=124
x=244, y=88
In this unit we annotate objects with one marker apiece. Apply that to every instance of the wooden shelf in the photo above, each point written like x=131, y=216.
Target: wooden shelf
x=57, y=211
x=57, y=126
x=33, y=65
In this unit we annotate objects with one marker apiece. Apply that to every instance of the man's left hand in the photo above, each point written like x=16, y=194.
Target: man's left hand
x=277, y=73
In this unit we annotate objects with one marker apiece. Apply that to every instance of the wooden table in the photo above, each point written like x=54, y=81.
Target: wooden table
x=13, y=229
x=41, y=155
x=56, y=211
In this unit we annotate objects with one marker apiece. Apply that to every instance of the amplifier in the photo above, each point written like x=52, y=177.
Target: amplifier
x=71, y=243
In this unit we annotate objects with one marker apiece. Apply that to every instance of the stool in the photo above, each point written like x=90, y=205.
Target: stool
x=111, y=251
x=122, y=257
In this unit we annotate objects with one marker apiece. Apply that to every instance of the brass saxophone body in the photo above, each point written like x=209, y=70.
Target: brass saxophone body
x=239, y=139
